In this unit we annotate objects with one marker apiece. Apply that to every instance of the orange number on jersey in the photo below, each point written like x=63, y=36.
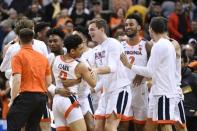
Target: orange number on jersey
x=132, y=59
x=63, y=75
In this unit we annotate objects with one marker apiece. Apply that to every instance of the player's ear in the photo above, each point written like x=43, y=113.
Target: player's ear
x=72, y=51
x=138, y=27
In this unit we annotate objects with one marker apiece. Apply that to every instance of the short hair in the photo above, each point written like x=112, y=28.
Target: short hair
x=72, y=42
x=26, y=35
x=23, y=23
x=159, y=25
x=137, y=17
x=82, y=30
x=96, y=2
x=56, y=31
x=41, y=26
x=100, y=23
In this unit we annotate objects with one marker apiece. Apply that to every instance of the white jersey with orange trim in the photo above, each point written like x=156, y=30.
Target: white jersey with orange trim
x=136, y=54
x=161, y=67
x=64, y=70
x=108, y=54
x=84, y=88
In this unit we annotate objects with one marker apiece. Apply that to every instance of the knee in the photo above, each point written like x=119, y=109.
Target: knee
x=90, y=127
x=110, y=127
x=97, y=128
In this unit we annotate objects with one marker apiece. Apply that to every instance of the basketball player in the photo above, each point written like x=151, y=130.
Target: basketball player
x=161, y=67
x=66, y=109
x=137, y=52
x=115, y=102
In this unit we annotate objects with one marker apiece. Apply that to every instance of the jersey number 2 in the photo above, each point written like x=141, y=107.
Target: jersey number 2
x=63, y=75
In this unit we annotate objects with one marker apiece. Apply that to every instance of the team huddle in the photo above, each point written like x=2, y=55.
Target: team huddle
x=96, y=89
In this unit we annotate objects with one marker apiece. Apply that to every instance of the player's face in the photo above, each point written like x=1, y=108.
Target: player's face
x=131, y=27
x=78, y=51
x=94, y=32
x=55, y=43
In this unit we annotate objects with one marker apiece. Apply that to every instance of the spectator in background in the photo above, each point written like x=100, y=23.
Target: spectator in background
x=7, y=27
x=98, y=12
x=178, y=23
x=189, y=51
x=68, y=29
x=35, y=12
x=141, y=9
x=167, y=7
x=189, y=88
x=62, y=18
x=78, y=14
x=52, y=10
x=154, y=11
x=193, y=33
x=20, y=5
x=117, y=20
x=124, y=4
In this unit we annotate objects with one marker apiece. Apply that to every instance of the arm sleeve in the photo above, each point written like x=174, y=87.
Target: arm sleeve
x=5, y=65
x=152, y=64
x=99, y=85
x=48, y=69
x=16, y=65
x=114, y=57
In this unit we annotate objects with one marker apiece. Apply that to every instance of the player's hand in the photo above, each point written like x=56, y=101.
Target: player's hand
x=70, y=82
x=137, y=80
x=125, y=61
x=63, y=92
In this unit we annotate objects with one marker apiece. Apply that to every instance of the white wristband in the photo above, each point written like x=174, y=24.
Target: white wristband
x=51, y=89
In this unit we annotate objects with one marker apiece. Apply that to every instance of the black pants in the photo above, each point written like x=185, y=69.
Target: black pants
x=26, y=110
x=191, y=123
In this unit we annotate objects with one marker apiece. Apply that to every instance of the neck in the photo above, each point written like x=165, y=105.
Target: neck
x=60, y=52
x=134, y=40
x=159, y=36
x=103, y=38
x=68, y=57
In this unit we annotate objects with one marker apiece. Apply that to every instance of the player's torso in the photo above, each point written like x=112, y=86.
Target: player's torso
x=63, y=70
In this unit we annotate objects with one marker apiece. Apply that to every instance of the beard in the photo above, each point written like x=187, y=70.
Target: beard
x=131, y=35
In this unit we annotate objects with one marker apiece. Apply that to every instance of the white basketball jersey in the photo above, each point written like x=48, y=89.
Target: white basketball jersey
x=64, y=70
x=84, y=88
x=136, y=54
x=108, y=54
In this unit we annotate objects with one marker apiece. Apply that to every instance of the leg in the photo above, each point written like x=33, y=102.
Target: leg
x=78, y=125
x=19, y=112
x=123, y=126
x=99, y=124
x=139, y=127
x=112, y=123
x=45, y=123
x=150, y=126
x=166, y=127
x=89, y=119
x=34, y=120
x=180, y=128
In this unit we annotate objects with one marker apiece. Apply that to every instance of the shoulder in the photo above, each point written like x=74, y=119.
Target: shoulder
x=38, y=42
